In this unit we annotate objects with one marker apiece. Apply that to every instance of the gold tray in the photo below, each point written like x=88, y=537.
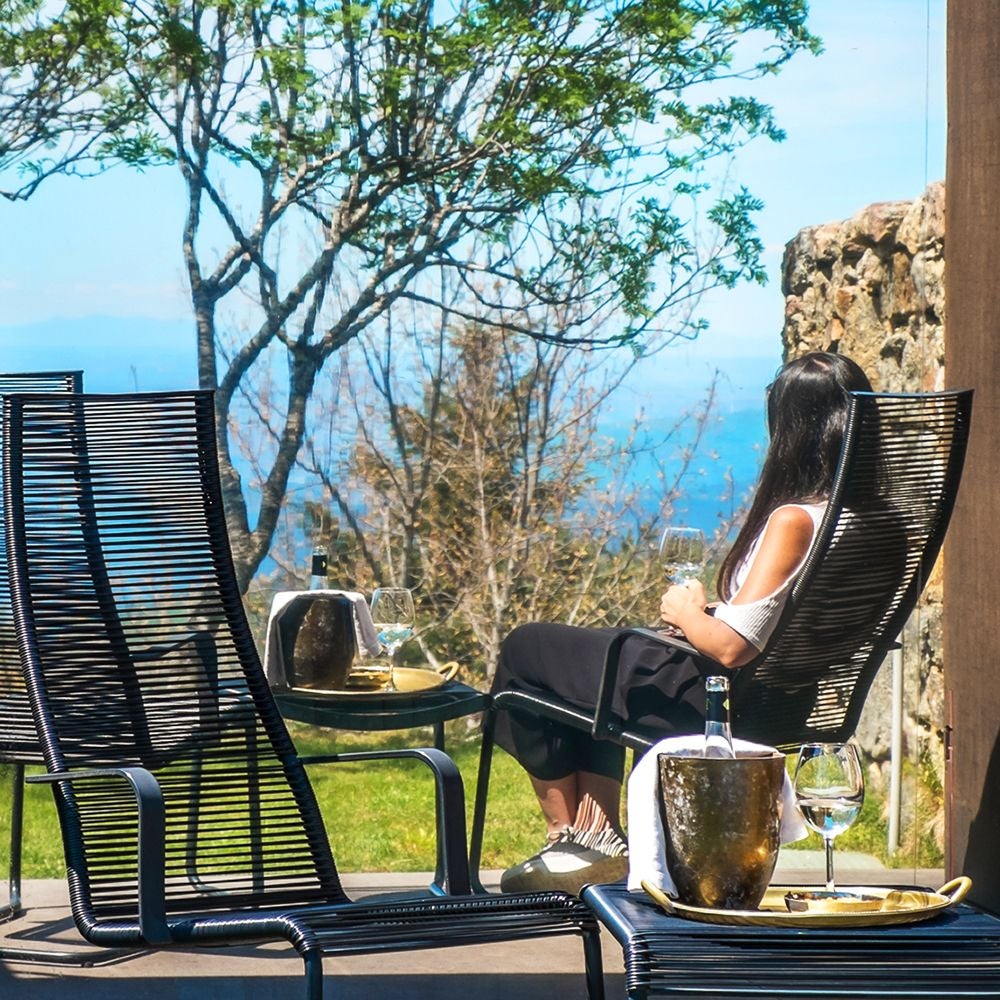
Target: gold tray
x=903, y=906
x=408, y=680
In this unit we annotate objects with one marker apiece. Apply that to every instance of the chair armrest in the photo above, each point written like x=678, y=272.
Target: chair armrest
x=449, y=807
x=151, y=849
x=665, y=639
x=607, y=725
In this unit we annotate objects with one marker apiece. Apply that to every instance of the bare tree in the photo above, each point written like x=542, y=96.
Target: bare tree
x=478, y=474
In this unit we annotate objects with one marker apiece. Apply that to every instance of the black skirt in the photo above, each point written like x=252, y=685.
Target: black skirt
x=660, y=691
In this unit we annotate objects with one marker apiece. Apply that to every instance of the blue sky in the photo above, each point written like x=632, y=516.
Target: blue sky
x=91, y=275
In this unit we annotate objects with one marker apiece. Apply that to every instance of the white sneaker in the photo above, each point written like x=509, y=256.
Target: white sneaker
x=574, y=859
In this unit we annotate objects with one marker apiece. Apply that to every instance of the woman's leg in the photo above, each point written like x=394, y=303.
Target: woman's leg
x=559, y=801
x=584, y=801
x=599, y=804
x=585, y=842
x=549, y=660
x=577, y=782
x=578, y=779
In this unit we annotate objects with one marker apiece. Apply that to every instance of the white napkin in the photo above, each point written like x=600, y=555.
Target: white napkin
x=646, y=843
x=364, y=630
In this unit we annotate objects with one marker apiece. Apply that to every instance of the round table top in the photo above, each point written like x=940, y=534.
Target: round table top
x=382, y=710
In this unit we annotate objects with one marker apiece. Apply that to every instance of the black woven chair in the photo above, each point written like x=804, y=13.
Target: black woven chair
x=187, y=816
x=18, y=743
x=889, y=508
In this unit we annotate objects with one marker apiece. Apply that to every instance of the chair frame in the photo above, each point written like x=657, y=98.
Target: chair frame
x=16, y=748
x=155, y=896
x=865, y=414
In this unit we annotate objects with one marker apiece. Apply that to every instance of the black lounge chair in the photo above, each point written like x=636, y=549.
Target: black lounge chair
x=187, y=816
x=889, y=508
x=18, y=742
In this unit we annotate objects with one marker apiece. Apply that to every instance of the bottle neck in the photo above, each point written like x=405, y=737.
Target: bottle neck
x=718, y=733
x=717, y=707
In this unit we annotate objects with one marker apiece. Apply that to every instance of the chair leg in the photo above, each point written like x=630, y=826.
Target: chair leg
x=253, y=820
x=254, y=810
x=482, y=790
x=313, y=961
x=13, y=905
x=594, y=962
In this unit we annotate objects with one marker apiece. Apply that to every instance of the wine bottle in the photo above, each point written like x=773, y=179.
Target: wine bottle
x=317, y=577
x=718, y=733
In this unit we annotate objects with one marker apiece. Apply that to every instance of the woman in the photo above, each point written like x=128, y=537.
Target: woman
x=578, y=780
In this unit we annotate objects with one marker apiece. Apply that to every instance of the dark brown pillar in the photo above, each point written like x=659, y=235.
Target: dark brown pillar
x=972, y=553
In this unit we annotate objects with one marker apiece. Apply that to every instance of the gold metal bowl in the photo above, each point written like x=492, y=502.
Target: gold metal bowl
x=821, y=901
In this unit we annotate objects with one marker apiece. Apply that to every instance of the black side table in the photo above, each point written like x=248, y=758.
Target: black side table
x=379, y=712
x=956, y=953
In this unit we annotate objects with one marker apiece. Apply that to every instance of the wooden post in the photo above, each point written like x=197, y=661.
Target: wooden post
x=972, y=357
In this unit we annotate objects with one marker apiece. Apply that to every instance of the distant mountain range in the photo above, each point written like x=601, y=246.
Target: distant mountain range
x=124, y=355
x=116, y=354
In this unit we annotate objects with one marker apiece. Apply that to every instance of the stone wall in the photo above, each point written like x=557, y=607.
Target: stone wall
x=872, y=287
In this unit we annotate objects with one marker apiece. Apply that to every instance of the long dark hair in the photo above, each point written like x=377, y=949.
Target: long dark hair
x=807, y=406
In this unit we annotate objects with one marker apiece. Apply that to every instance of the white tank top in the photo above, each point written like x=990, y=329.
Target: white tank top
x=756, y=620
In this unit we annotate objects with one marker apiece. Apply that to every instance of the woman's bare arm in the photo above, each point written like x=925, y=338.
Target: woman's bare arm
x=786, y=541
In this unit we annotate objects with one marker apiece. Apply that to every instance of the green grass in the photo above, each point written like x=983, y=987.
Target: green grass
x=380, y=815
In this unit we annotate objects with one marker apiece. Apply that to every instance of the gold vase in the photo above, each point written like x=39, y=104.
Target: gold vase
x=722, y=825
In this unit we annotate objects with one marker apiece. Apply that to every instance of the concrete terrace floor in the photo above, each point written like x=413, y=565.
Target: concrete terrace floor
x=549, y=969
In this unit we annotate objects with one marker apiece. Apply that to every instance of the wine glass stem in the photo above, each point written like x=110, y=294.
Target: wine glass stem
x=391, y=655
x=828, y=842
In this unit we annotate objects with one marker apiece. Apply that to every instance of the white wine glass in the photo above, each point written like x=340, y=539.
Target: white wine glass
x=393, y=616
x=829, y=791
x=682, y=552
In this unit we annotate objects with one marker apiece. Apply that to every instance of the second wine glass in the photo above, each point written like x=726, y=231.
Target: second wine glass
x=682, y=552
x=393, y=616
x=829, y=791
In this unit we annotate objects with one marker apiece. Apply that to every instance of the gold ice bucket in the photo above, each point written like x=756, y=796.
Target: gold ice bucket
x=318, y=642
x=722, y=826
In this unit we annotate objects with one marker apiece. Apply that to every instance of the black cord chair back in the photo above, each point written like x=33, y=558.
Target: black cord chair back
x=137, y=653
x=889, y=509
x=18, y=741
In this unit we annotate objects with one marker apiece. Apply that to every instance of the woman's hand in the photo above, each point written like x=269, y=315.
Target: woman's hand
x=683, y=606
x=682, y=600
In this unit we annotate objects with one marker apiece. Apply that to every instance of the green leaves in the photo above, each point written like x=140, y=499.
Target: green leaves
x=732, y=216
x=540, y=158
x=56, y=61
x=408, y=124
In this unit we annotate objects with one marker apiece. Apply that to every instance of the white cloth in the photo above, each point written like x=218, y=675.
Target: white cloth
x=756, y=620
x=647, y=855
x=364, y=630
